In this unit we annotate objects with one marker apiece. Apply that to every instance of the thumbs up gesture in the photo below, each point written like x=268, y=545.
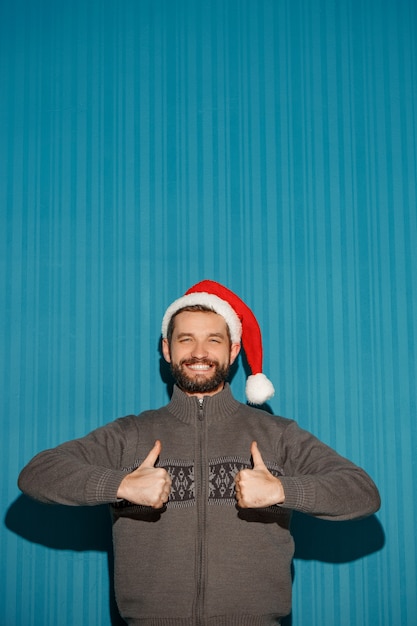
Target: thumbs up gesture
x=257, y=487
x=147, y=485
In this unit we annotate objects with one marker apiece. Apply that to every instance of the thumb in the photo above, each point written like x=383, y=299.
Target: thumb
x=152, y=455
x=258, y=462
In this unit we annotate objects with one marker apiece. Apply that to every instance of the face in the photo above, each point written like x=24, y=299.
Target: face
x=200, y=353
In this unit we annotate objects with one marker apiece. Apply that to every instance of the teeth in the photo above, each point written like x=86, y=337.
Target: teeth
x=199, y=367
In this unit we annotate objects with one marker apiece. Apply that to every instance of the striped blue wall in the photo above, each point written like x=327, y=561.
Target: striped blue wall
x=268, y=144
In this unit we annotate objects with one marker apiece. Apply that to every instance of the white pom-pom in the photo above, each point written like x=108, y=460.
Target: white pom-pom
x=259, y=389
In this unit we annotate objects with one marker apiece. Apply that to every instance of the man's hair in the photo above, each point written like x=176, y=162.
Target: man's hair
x=202, y=308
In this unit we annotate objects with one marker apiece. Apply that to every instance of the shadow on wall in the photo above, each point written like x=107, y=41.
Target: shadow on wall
x=89, y=528
x=334, y=542
x=59, y=527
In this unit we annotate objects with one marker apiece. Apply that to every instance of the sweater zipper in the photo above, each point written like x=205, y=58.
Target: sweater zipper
x=201, y=513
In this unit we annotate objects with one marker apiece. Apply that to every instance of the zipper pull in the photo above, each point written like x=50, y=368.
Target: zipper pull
x=200, y=412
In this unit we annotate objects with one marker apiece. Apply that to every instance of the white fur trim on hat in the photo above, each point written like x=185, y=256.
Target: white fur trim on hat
x=211, y=301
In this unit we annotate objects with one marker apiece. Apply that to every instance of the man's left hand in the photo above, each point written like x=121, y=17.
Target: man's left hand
x=258, y=488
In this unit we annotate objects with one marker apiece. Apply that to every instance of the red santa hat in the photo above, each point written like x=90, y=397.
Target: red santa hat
x=243, y=327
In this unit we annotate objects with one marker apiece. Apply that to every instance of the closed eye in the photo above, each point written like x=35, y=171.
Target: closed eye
x=217, y=338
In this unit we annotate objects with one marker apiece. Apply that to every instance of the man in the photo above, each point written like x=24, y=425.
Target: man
x=202, y=489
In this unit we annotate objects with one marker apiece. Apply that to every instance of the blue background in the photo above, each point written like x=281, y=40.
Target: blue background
x=270, y=145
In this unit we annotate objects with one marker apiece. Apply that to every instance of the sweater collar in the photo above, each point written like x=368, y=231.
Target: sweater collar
x=217, y=407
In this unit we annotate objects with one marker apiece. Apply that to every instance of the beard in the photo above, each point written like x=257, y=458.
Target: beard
x=198, y=383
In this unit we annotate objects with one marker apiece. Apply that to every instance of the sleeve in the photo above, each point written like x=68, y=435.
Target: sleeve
x=320, y=482
x=83, y=472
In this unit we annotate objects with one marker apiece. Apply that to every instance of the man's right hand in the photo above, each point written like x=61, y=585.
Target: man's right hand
x=147, y=485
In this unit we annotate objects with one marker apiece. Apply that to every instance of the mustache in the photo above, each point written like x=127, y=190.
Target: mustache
x=196, y=361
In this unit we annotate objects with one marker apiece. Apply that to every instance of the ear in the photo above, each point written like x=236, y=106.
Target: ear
x=234, y=351
x=165, y=350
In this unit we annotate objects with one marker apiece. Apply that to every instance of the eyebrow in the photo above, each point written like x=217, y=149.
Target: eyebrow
x=220, y=335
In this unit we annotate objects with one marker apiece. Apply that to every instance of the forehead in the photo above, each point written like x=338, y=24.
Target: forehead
x=199, y=321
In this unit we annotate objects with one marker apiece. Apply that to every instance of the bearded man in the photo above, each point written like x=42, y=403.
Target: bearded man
x=202, y=490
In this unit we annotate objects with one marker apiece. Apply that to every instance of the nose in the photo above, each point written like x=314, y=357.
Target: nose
x=199, y=350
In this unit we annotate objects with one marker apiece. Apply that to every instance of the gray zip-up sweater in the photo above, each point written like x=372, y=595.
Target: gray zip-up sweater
x=200, y=561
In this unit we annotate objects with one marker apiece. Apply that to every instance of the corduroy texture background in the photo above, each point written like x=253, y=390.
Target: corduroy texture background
x=267, y=144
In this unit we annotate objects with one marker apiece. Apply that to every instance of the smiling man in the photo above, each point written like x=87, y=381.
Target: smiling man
x=202, y=490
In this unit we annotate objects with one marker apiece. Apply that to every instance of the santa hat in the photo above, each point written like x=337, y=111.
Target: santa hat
x=243, y=327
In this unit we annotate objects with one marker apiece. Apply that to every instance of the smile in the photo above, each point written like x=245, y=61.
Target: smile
x=199, y=367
